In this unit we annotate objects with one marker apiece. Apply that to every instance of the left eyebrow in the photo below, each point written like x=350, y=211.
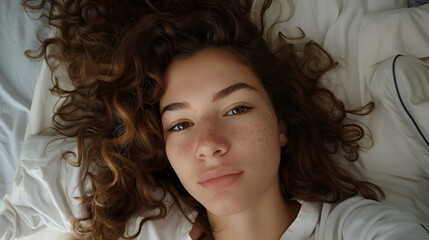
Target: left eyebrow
x=221, y=94
x=231, y=89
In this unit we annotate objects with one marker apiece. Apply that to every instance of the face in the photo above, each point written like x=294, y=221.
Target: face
x=222, y=136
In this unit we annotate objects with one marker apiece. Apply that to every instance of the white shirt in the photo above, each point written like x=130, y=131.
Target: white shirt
x=41, y=203
x=354, y=218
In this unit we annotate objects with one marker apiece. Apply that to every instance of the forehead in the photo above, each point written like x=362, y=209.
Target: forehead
x=208, y=69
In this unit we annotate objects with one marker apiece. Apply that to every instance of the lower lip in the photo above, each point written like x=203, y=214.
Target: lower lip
x=221, y=182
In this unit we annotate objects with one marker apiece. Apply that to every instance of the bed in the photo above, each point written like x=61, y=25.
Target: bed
x=383, y=52
x=18, y=77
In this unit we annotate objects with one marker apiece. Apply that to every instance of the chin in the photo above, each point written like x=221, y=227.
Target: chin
x=222, y=211
x=225, y=207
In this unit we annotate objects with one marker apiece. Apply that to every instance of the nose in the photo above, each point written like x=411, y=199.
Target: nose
x=212, y=140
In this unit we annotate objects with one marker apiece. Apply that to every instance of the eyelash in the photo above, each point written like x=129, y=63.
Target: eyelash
x=246, y=108
x=180, y=124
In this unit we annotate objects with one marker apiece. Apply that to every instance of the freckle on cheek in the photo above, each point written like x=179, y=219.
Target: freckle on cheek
x=177, y=150
x=184, y=149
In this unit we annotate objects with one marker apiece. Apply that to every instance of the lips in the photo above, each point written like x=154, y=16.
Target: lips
x=220, y=177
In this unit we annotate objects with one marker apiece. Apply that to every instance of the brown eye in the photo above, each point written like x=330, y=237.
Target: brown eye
x=237, y=110
x=180, y=126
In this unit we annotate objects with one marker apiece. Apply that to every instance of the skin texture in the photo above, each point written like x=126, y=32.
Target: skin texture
x=206, y=133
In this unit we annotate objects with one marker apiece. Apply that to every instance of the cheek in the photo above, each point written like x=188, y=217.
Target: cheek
x=257, y=135
x=179, y=154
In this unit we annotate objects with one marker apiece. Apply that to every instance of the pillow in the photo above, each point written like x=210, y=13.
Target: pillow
x=399, y=160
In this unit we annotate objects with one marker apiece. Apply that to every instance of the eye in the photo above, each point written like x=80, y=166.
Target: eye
x=238, y=110
x=180, y=126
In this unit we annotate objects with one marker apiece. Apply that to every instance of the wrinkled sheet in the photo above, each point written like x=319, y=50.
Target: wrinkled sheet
x=361, y=36
x=18, y=77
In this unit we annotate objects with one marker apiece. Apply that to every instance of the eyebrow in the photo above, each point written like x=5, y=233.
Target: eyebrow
x=221, y=94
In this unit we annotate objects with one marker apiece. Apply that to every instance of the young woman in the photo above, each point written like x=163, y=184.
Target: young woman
x=195, y=100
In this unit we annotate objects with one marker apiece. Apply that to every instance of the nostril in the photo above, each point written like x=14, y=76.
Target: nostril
x=219, y=151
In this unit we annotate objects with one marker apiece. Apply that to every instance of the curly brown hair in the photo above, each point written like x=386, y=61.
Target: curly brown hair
x=117, y=52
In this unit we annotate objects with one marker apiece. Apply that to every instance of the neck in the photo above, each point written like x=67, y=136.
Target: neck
x=268, y=219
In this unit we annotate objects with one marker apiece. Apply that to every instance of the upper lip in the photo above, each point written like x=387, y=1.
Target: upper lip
x=218, y=172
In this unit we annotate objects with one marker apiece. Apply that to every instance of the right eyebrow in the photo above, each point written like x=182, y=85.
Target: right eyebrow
x=231, y=89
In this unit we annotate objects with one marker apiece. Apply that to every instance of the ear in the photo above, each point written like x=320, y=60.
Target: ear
x=282, y=133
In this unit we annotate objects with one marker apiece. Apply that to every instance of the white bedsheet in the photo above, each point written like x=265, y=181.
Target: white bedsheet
x=399, y=160
x=360, y=35
x=18, y=77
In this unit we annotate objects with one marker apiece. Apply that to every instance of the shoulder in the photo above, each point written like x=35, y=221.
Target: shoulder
x=360, y=218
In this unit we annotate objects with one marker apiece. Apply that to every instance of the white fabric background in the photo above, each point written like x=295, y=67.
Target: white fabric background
x=18, y=77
